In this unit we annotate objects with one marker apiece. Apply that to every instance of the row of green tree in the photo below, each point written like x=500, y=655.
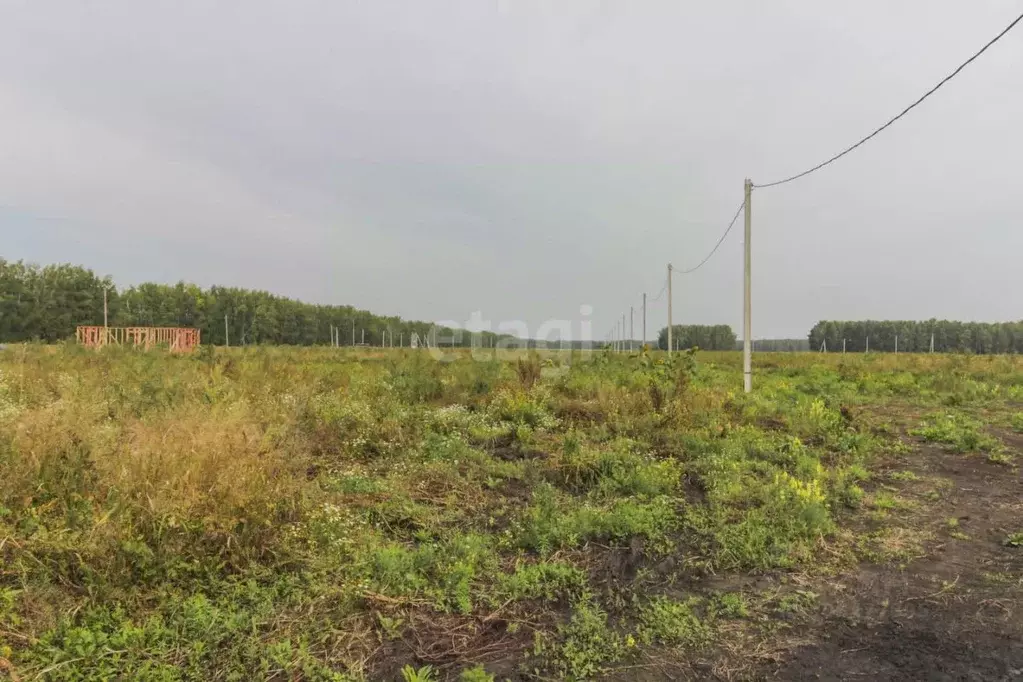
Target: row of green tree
x=48, y=303
x=915, y=337
x=706, y=337
x=777, y=345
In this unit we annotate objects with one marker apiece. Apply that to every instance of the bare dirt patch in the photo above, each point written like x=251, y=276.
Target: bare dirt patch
x=954, y=613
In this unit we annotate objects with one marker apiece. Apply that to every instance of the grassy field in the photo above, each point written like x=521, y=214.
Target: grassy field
x=318, y=514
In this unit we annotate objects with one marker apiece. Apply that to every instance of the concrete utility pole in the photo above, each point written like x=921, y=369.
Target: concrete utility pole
x=353, y=332
x=932, y=342
x=896, y=344
x=104, y=310
x=632, y=333
x=843, y=345
x=623, y=332
x=868, y=345
x=669, y=310
x=747, y=313
x=644, y=318
x=227, y=338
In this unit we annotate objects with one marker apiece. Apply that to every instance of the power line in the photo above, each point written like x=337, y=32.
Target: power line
x=905, y=111
x=657, y=298
x=727, y=230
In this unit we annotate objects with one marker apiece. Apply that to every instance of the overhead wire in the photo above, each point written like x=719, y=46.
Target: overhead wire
x=720, y=241
x=657, y=298
x=838, y=156
x=902, y=113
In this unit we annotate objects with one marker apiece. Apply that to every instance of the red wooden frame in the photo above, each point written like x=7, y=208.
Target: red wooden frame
x=177, y=339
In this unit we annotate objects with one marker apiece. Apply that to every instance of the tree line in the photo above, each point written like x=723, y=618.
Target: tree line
x=705, y=337
x=777, y=345
x=915, y=336
x=47, y=303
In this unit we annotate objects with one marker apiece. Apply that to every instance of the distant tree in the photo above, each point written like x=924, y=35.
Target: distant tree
x=949, y=336
x=778, y=345
x=706, y=337
x=48, y=303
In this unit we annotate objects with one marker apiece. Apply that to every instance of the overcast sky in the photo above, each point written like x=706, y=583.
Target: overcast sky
x=431, y=159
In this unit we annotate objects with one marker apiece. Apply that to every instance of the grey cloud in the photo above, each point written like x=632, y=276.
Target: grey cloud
x=522, y=158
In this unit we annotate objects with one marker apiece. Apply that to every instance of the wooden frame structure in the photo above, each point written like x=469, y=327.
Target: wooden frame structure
x=177, y=339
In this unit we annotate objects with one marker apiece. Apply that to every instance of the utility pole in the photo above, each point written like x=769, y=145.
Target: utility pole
x=896, y=344
x=868, y=344
x=669, y=311
x=106, y=329
x=843, y=346
x=932, y=342
x=353, y=332
x=747, y=313
x=363, y=336
x=645, y=318
x=632, y=333
x=227, y=338
x=623, y=332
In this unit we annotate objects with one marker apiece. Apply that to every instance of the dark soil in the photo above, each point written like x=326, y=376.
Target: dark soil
x=955, y=614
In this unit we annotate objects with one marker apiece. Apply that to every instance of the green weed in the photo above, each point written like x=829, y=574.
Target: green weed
x=587, y=644
x=424, y=674
x=544, y=580
x=729, y=605
x=672, y=623
x=475, y=674
x=289, y=513
x=1016, y=421
x=958, y=432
